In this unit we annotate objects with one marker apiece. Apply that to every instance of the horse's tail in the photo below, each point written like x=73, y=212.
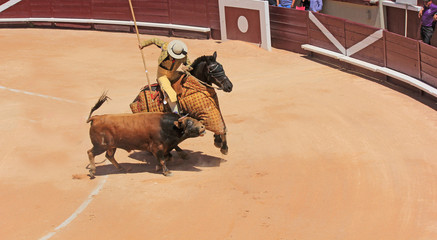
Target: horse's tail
x=98, y=104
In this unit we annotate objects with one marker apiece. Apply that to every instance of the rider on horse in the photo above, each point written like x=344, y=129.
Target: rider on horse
x=195, y=94
x=173, y=54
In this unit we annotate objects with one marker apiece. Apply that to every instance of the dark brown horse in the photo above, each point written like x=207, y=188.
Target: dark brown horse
x=196, y=97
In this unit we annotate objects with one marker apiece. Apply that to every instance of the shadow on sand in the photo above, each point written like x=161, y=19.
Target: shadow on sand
x=148, y=163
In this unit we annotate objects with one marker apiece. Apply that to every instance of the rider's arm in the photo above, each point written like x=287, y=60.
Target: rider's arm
x=158, y=42
x=187, y=63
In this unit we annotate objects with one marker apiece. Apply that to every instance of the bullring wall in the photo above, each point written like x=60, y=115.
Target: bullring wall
x=290, y=29
x=200, y=13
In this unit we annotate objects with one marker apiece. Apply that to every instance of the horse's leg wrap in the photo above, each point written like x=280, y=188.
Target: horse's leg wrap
x=217, y=141
x=181, y=152
x=224, y=148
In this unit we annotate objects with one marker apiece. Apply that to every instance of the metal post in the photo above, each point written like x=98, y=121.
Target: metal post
x=381, y=14
x=406, y=19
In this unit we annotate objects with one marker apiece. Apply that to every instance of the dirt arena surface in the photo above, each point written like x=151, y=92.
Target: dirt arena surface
x=314, y=152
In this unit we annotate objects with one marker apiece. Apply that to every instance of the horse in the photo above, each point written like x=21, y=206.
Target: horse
x=196, y=97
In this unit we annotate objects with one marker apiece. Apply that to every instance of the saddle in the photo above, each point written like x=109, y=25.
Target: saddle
x=148, y=100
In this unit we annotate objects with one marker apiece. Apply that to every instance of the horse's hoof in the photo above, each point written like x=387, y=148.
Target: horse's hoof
x=168, y=174
x=224, y=151
x=218, y=141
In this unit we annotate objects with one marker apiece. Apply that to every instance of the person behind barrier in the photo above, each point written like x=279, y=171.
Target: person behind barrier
x=316, y=5
x=427, y=13
x=298, y=4
x=173, y=54
x=284, y=3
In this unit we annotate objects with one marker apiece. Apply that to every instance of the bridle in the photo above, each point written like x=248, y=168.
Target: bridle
x=215, y=71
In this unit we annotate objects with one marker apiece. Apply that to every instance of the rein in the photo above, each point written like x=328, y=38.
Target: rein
x=208, y=85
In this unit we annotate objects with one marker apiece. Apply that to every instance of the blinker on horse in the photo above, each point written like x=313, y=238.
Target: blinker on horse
x=196, y=97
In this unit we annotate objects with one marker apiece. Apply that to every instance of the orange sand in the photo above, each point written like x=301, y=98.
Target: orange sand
x=314, y=152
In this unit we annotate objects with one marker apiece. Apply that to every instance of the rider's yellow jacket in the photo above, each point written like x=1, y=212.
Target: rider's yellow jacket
x=163, y=60
x=166, y=67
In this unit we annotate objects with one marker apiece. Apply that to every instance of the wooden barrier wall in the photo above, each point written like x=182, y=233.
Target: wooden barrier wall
x=198, y=13
x=356, y=33
x=428, y=64
x=405, y=55
x=402, y=54
x=288, y=28
x=69, y=8
x=19, y=11
x=336, y=26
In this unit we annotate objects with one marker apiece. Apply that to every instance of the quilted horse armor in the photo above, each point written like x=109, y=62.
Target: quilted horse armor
x=197, y=100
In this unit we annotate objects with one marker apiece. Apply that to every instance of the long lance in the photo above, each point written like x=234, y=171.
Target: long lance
x=139, y=43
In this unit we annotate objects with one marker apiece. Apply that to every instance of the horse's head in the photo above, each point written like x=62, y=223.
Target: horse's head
x=207, y=69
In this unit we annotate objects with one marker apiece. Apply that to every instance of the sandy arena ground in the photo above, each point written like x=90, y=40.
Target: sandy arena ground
x=314, y=152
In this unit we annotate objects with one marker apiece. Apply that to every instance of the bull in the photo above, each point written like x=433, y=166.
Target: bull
x=157, y=133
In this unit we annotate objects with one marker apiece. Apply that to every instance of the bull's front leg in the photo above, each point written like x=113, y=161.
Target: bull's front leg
x=165, y=170
x=162, y=160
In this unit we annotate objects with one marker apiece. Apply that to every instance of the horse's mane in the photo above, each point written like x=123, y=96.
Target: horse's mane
x=203, y=58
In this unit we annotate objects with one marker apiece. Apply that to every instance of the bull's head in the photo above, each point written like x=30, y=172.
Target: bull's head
x=190, y=126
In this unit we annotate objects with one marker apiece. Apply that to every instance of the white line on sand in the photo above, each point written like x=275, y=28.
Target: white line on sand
x=78, y=211
x=37, y=94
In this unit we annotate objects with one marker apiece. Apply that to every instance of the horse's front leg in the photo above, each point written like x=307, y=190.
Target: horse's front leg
x=217, y=141
x=181, y=152
x=221, y=142
x=224, y=148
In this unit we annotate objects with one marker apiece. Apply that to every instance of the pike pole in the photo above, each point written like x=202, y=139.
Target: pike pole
x=139, y=43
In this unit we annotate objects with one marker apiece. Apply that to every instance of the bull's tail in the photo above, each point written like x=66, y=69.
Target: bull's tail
x=98, y=104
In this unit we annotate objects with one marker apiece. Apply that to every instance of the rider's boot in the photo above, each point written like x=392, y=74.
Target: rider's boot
x=174, y=107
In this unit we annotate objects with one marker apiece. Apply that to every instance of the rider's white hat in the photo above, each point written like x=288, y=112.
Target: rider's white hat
x=177, y=49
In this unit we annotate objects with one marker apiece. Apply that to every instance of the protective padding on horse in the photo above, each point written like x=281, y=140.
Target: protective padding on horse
x=148, y=101
x=196, y=99
x=202, y=103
